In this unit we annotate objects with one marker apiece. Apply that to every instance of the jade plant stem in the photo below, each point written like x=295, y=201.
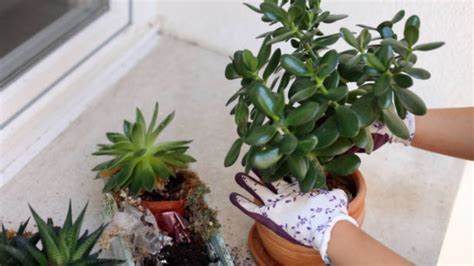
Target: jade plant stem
x=349, y=245
x=447, y=131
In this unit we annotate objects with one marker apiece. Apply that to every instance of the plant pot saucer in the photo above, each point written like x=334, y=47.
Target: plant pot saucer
x=259, y=253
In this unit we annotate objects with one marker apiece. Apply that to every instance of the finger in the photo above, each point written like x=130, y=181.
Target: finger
x=257, y=189
x=254, y=212
x=244, y=204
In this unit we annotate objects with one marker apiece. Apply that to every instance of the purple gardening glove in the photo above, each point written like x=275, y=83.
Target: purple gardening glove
x=302, y=218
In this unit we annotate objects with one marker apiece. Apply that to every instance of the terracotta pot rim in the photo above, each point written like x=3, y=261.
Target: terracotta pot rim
x=361, y=189
x=164, y=201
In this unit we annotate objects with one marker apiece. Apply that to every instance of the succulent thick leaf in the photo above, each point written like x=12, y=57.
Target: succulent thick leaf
x=339, y=147
x=428, y=46
x=303, y=114
x=288, y=144
x=272, y=64
x=337, y=94
x=403, y=81
x=264, y=52
x=241, y=117
x=381, y=85
x=306, y=145
x=349, y=38
x=265, y=158
x=347, y=121
x=395, y=124
x=294, y=65
x=344, y=165
x=330, y=60
x=327, y=133
x=418, y=73
x=298, y=166
x=309, y=180
x=366, y=109
x=364, y=140
x=233, y=153
x=260, y=135
x=262, y=97
x=411, y=102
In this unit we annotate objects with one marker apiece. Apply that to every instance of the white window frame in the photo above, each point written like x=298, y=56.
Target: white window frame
x=42, y=102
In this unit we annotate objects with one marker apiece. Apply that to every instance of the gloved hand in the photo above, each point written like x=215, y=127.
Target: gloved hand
x=382, y=134
x=301, y=218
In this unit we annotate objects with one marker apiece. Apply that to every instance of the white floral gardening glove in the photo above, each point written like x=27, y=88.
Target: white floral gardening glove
x=302, y=218
x=382, y=134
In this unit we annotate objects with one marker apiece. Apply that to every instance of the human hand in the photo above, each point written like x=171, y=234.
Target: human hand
x=301, y=218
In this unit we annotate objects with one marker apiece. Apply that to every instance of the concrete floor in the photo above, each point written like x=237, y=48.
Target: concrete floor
x=410, y=192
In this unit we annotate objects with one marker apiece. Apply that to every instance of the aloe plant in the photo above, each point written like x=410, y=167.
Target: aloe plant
x=138, y=161
x=12, y=246
x=59, y=245
x=301, y=112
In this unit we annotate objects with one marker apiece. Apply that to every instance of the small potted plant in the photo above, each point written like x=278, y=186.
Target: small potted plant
x=60, y=245
x=146, y=174
x=303, y=113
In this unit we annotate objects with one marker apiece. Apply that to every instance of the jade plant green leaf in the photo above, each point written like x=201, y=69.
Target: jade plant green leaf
x=138, y=161
x=303, y=112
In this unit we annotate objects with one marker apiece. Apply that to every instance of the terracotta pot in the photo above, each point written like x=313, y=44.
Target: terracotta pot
x=159, y=207
x=284, y=252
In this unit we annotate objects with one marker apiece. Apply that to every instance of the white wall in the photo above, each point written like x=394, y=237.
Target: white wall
x=226, y=26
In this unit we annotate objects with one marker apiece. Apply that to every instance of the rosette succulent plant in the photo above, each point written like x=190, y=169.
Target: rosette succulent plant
x=301, y=112
x=59, y=245
x=138, y=161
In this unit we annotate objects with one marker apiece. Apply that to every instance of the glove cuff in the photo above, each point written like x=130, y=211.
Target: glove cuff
x=326, y=236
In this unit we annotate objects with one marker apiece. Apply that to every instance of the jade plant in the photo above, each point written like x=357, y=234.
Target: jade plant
x=64, y=245
x=139, y=163
x=301, y=112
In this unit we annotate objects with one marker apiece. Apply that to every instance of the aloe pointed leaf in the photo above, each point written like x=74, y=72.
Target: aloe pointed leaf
x=127, y=126
x=151, y=127
x=86, y=246
x=161, y=127
x=48, y=239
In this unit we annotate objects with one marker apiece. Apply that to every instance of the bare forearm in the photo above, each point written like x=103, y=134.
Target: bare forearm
x=447, y=131
x=351, y=246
